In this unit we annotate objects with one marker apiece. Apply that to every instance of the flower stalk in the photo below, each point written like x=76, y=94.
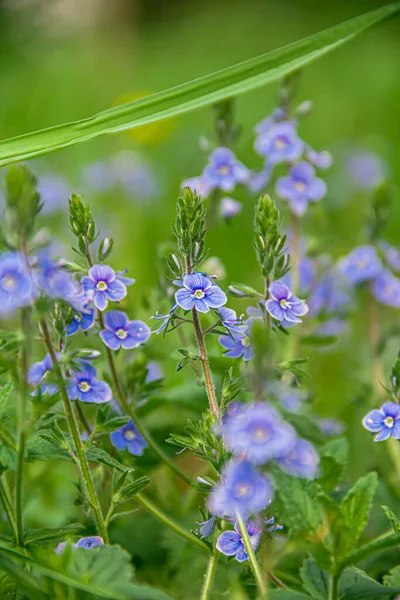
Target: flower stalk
x=209, y=576
x=255, y=567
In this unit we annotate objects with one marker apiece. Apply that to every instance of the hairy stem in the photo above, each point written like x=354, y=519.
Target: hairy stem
x=166, y=520
x=255, y=567
x=73, y=428
x=22, y=426
x=209, y=576
x=7, y=506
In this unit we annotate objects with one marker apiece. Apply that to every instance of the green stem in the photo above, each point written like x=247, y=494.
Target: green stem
x=7, y=505
x=255, y=567
x=73, y=427
x=333, y=587
x=295, y=254
x=22, y=427
x=209, y=576
x=166, y=520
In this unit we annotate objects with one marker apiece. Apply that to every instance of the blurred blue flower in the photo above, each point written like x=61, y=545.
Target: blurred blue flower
x=242, y=490
x=224, y=171
x=121, y=333
x=331, y=328
x=87, y=542
x=330, y=294
x=154, y=371
x=130, y=438
x=264, y=126
x=362, y=264
x=238, y=344
x=283, y=305
x=99, y=176
x=162, y=320
x=54, y=192
x=257, y=433
x=392, y=255
x=302, y=460
x=136, y=177
x=206, y=527
x=321, y=160
x=331, y=427
x=201, y=185
x=231, y=543
x=16, y=285
x=279, y=142
x=199, y=292
x=83, y=321
x=385, y=422
x=55, y=282
x=301, y=187
x=258, y=181
x=306, y=275
x=229, y=208
x=232, y=323
x=103, y=284
x=38, y=373
x=386, y=289
x=365, y=169
x=85, y=387
x=290, y=397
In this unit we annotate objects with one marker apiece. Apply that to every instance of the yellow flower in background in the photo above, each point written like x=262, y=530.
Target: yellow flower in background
x=153, y=133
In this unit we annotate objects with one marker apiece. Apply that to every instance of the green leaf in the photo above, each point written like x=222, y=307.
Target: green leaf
x=95, y=454
x=315, y=581
x=319, y=341
x=393, y=578
x=353, y=514
x=43, y=445
x=134, y=488
x=288, y=595
x=204, y=91
x=58, y=533
x=8, y=587
x=334, y=456
x=356, y=585
x=395, y=521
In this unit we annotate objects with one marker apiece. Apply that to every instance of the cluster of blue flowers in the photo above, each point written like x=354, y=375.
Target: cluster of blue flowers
x=87, y=543
x=255, y=435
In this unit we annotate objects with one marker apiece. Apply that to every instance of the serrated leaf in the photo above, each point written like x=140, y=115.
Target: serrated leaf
x=394, y=520
x=393, y=578
x=353, y=514
x=356, y=585
x=98, y=455
x=334, y=456
x=43, y=445
x=315, y=581
x=39, y=535
x=204, y=91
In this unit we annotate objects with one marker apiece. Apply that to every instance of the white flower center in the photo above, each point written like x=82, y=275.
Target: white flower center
x=389, y=422
x=129, y=435
x=242, y=490
x=284, y=304
x=84, y=386
x=280, y=143
x=121, y=334
x=245, y=342
x=8, y=283
x=299, y=186
x=199, y=294
x=223, y=170
x=101, y=286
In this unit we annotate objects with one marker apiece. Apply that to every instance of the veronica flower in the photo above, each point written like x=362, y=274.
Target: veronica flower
x=87, y=542
x=366, y=169
x=130, y=438
x=224, y=171
x=231, y=543
x=331, y=427
x=258, y=181
x=154, y=371
x=200, y=185
x=99, y=176
x=290, y=397
x=385, y=422
x=392, y=255
x=232, y=323
x=121, y=333
x=85, y=387
x=53, y=280
x=264, y=126
x=229, y=208
x=83, y=321
x=38, y=373
x=54, y=192
x=206, y=527
x=386, y=289
x=321, y=160
x=103, y=284
x=257, y=433
x=301, y=461
x=238, y=344
x=241, y=490
x=279, y=143
x=330, y=293
x=199, y=292
x=283, y=305
x=16, y=287
x=301, y=187
x=362, y=264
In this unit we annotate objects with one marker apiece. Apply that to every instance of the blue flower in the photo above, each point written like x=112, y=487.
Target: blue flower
x=154, y=371
x=121, y=333
x=85, y=387
x=302, y=460
x=38, y=373
x=386, y=289
x=264, y=126
x=301, y=187
x=385, y=422
x=199, y=292
x=362, y=264
x=258, y=181
x=279, y=143
x=365, y=169
x=200, y=185
x=87, y=542
x=331, y=293
x=103, y=284
x=229, y=208
x=54, y=192
x=130, y=438
x=321, y=160
x=231, y=543
x=257, y=433
x=238, y=343
x=289, y=396
x=232, y=323
x=224, y=171
x=83, y=321
x=242, y=490
x=392, y=255
x=206, y=527
x=162, y=320
x=16, y=288
x=331, y=427
x=283, y=305
x=53, y=280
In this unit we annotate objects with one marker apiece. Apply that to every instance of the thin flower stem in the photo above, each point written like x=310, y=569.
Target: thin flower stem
x=73, y=427
x=22, y=426
x=166, y=520
x=123, y=400
x=295, y=254
x=212, y=398
x=277, y=581
x=333, y=587
x=7, y=506
x=255, y=567
x=209, y=576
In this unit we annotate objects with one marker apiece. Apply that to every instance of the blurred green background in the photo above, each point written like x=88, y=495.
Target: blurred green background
x=67, y=59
